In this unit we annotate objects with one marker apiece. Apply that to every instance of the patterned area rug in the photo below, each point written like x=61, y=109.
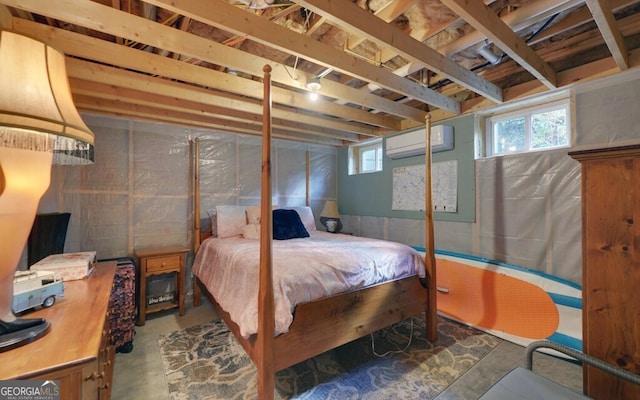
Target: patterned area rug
x=206, y=362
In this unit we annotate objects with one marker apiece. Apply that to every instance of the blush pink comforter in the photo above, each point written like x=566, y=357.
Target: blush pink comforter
x=304, y=270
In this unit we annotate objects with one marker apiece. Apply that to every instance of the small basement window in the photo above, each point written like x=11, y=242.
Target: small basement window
x=365, y=157
x=536, y=128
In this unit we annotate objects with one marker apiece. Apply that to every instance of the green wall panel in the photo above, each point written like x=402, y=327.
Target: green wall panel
x=372, y=194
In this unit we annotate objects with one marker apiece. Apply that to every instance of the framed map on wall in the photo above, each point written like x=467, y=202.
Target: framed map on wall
x=409, y=187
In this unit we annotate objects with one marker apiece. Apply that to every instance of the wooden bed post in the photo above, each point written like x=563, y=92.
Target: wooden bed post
x=266, y=312
x=197, y=301
x=308, y=180
x=430, y=257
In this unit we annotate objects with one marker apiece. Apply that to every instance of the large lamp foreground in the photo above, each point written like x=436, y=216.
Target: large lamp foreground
x=39, y=124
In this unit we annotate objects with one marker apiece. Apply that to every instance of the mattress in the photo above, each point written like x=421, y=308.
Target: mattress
x=304, y=270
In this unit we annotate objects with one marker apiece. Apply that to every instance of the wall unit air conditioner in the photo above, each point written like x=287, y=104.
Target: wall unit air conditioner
x=412, y=143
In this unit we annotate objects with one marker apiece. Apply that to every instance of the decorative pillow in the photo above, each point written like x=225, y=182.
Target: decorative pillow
x=306, y=215
x=288, y=225
x=230, y=220
x=253, y=214
x=251, y=231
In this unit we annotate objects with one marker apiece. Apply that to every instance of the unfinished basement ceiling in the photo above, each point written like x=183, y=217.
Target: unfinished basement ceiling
x=382, y=65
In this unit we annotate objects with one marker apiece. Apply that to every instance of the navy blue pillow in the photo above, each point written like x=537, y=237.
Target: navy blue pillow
x=288, y=225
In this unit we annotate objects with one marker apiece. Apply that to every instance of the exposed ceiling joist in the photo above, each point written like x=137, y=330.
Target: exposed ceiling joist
x=356, y=19
x=383, y=64
x=105, y=19
x=601, y=11
x=108, y=53
x=229, y=17
x=487, y=22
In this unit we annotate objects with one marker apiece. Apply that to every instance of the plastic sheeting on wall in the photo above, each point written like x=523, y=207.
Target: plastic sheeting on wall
x=139, y=191
x=530, y=212
x=607, y=111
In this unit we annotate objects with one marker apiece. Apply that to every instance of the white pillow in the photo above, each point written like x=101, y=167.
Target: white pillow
x=306, y=215
x=251, y=231
x=230, y=220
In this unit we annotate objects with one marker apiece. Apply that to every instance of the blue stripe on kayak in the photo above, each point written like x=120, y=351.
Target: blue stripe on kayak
x=502, y=264
x=567, y=301
x=566, y=340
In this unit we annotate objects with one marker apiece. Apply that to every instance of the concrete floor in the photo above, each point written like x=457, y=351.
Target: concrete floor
x=140, y=375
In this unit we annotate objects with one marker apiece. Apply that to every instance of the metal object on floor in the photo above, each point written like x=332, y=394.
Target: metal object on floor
x=524, y=384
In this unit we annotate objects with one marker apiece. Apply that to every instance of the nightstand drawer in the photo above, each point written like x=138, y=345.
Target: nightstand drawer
x=170, y=263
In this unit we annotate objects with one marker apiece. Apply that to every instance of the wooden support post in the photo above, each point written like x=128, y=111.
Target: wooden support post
x=430, y=257
x=308, y=194
x=266, y=311
x=195, y=148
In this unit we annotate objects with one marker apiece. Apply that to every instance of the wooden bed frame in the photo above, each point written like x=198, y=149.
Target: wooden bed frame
x=346, y=316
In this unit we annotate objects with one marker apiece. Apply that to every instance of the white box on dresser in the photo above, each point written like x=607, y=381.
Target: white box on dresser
x=69, y=266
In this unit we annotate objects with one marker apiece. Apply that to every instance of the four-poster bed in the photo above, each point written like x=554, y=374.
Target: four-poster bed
x=325, y=323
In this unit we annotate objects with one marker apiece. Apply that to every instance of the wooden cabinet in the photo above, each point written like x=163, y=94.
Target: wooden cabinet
x=76, y=350
x=611, y=266
x=157, y=261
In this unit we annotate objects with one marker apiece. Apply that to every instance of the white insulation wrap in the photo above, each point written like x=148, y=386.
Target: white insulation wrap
x=139, y=191
x=529, y=212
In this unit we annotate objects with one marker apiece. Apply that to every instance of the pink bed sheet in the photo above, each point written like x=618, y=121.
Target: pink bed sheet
x=304, y=270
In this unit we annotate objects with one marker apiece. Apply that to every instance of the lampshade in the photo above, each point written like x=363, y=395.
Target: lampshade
x=36, y=107
x=330, y=210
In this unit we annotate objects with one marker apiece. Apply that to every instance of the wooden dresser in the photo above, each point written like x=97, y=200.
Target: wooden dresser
x=76, y=349
x=611, y=266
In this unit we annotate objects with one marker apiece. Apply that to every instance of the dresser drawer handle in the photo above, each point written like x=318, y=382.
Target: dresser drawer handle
x=95, y=375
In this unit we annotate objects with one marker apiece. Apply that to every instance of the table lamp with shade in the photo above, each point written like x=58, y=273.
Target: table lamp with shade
x=330, y=217
x=39, y=126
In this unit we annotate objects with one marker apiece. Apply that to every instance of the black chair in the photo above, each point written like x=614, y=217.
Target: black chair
x=48, y=234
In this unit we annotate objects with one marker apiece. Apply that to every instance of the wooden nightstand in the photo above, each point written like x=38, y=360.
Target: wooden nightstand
x=157, y=261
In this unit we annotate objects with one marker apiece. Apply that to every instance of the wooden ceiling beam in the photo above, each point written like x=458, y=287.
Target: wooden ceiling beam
x=112, y=76
x=420, y=34
x=107, y=20
x=567, y=78
x=484, y=20
x=601, y=11
x=350, y=15
x=577, y=18
x=516, y=20
x=387, y=13
x=136, y=111
x=233, y=19
x=6, y=20
x=557, y=51
x=109, y=53
x=96, y=90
